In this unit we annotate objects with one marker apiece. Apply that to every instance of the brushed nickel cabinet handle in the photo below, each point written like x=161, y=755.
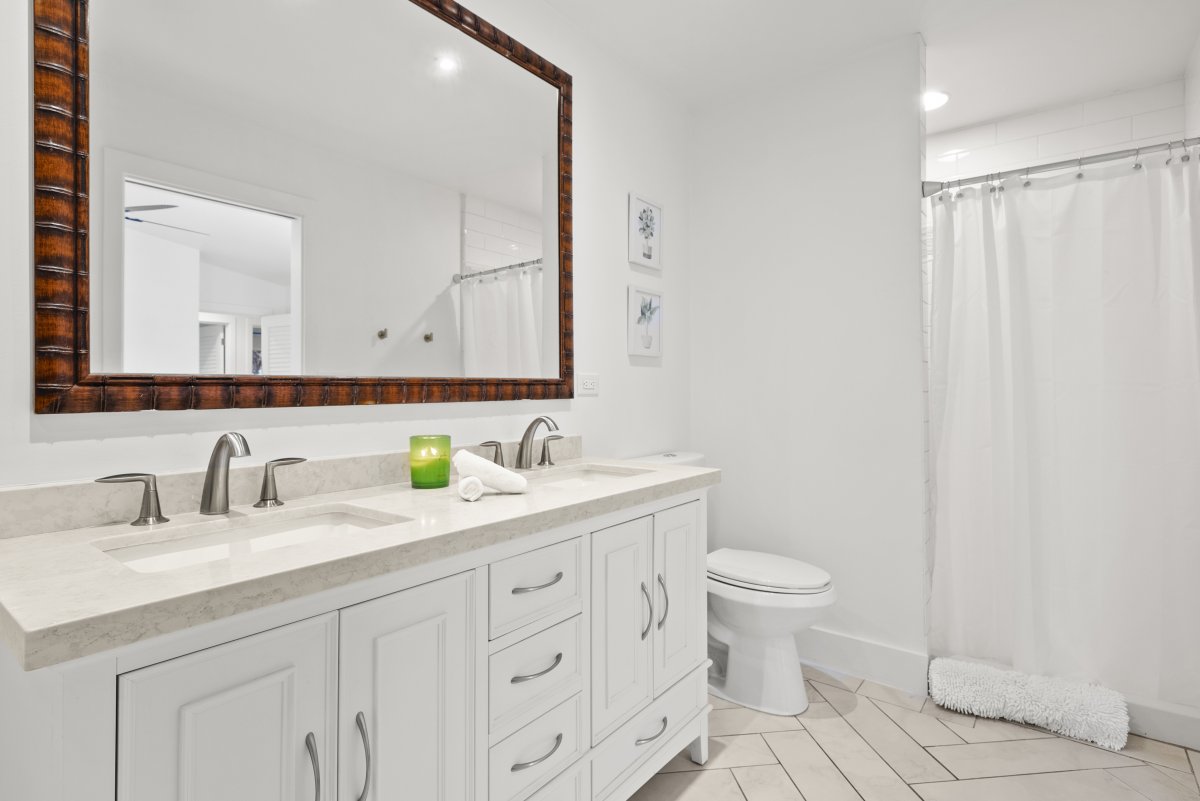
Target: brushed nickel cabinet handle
x=666, y=602
x=550, y=583
x=653, y=737
x=522, y=679
x=520, y=766
x=311, y=742
x=361, y=720
x=650, y=616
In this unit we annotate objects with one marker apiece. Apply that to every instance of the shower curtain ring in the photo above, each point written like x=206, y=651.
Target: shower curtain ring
x=1170, y=152
x=1137, y=159
x=1079, y=175
x=1028, y=183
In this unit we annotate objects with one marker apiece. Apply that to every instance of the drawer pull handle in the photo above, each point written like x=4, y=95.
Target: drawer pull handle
x=653, y=737
x=310, y=742
x=650, y=615
x=666, y=601
x=532, y=676
x=550, y=583
x=361, y=720
x=520, y=766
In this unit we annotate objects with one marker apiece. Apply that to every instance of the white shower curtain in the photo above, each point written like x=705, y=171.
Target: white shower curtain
x=1065, y=427
x=502, y=325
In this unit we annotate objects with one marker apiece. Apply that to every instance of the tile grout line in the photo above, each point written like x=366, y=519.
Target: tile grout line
x=867, y=743
x=739, y=784
x=785, y=770
x=875, y=704
x=1109, y=771
x=836, y=767
x=950, y=731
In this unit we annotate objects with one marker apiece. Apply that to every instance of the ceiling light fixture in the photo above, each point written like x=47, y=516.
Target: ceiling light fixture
x=934, y=99
x=447, y=65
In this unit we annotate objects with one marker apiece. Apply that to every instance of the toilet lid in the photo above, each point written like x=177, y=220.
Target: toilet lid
x=757, y=569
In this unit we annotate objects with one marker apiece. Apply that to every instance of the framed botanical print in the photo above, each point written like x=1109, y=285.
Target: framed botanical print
x=645, y=232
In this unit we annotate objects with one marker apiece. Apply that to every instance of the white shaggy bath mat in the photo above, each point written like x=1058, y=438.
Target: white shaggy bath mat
x=1083, y=711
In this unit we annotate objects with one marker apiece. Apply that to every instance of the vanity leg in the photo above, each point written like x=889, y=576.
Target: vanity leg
x=698, y=750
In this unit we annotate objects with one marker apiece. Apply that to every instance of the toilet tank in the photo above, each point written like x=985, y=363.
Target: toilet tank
x=690, y=458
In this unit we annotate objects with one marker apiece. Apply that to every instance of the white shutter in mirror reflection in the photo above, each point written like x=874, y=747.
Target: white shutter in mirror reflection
x=277, y=347
x=212, y=349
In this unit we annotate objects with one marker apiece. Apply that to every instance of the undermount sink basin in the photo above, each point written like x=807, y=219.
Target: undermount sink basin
x=218, y=540
x=583, y=475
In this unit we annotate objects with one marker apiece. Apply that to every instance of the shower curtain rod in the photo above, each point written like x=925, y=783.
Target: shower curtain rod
x=458, y=279
x=930, y=188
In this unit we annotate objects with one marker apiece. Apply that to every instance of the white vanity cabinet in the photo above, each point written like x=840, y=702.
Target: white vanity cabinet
x=567, y=664
x=407, y=723
x=251, y=719
x=648, y=618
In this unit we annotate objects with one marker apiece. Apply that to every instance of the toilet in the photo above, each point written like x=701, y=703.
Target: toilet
x=757, y=602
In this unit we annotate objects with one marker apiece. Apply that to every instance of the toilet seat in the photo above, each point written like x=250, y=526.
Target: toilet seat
x=763, y=572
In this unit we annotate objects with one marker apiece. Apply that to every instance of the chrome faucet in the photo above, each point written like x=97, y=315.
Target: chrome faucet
x=215, y=498
x=525, y=453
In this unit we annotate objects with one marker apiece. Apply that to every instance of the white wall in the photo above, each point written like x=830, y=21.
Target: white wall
x=807, y=349
x=626, y=135
x=225, y=291
x=162, y=281
x=1123, y=121
x=1191, y=85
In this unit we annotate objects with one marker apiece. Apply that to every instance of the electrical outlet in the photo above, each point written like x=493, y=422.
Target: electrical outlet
x=587, y=385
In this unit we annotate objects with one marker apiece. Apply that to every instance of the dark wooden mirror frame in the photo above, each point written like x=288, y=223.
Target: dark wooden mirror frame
x=63, y=381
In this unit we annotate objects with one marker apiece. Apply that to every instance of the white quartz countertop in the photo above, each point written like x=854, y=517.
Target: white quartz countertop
x=64, y=595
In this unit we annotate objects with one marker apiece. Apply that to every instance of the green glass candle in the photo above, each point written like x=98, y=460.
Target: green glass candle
x=429, y=460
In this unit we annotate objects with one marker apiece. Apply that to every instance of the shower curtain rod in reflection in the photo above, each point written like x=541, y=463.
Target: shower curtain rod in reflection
x=930, y=188
x=458, y=279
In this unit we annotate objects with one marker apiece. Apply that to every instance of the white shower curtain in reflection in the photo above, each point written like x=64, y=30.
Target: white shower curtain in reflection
x=1065, y=427
x=502, y=325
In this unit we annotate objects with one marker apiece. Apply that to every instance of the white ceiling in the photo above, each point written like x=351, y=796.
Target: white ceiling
x=251, y=242
x=313, y=70
x=995, y=57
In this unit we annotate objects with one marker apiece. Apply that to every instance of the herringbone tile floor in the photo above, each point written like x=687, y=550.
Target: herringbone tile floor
x=860, y=741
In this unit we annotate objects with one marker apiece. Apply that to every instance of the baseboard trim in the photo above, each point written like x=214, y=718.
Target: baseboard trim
x=1160, y=720
x=886, y=664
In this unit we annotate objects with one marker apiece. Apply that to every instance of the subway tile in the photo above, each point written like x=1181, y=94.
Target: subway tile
x=962, y=139
x=484, y=225
x=1037, y=124
x=1078, y=139
x=1139, y=101
x=1158, y=123
x=1008, y=758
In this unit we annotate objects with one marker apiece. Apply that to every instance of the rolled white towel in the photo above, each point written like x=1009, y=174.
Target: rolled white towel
x=491, y=474
x=470, y=488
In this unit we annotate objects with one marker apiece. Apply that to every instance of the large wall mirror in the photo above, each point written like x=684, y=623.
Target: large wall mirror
x=278, y=204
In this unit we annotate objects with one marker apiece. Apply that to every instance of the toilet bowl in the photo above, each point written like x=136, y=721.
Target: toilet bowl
x=756, y=604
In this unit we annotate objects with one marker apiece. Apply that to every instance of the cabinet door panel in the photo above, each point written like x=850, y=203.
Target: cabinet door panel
x=230, y=723
x=621, y=671
x=680, y=637
x=406, y=663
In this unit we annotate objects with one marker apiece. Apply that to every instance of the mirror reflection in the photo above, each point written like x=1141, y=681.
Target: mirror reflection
x=385, y=207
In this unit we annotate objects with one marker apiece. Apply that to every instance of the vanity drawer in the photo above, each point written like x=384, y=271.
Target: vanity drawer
x=527, y=679
x=573, y=785
x=630, y=745
x=537, y=751
x=533, y=585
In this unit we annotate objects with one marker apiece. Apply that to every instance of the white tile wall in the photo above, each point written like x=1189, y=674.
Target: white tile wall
x=1117, y=122
x=495, y=235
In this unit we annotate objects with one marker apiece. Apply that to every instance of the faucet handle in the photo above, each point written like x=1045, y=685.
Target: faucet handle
x=498, y=456
x=151, y=512
x=546, y=460
x=269, y=494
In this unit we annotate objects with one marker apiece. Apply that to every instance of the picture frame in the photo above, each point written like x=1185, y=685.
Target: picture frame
x=645, y=232
x=644, y=317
